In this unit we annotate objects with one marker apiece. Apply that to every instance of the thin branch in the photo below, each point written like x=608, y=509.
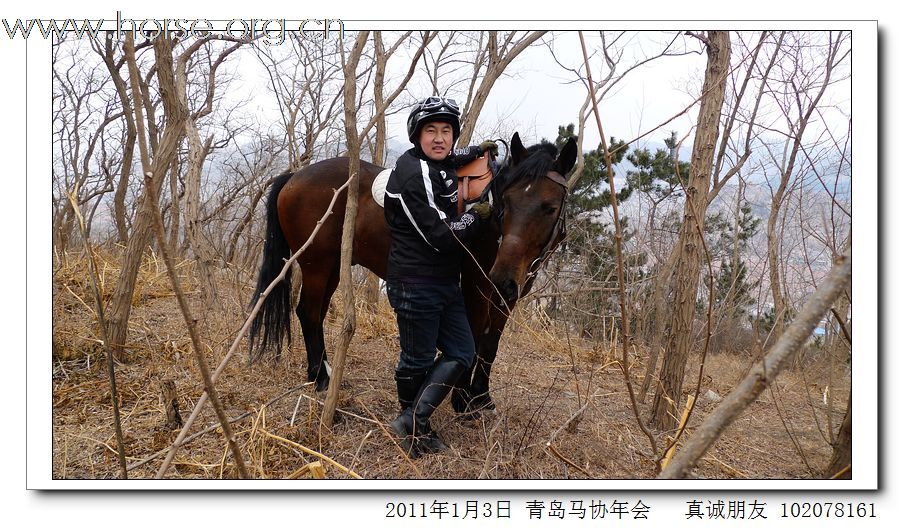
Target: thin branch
x=235, y=343
x=619, y=259
x=193, y=331
x=102, y=323
x=555, y=452
x=844, y=330
x=310, y=452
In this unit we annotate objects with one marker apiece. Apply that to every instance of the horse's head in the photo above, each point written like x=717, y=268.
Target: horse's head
x=533, y=191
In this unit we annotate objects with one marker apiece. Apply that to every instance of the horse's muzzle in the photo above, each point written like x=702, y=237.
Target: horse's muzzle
x=509, y=290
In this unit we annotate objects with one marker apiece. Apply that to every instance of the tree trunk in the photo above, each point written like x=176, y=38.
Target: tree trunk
x=203, y=253
x=142, y=233
x=119, y=196
x=175, y=210
x=197, y=152
x=372, y=282
x=841, y=451
x=169, y=399
x=348, y=233
x=687, y=270
x=249, y=216
x=772, y=255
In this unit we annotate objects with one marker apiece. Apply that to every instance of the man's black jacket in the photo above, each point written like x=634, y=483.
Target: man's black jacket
x=420, y=208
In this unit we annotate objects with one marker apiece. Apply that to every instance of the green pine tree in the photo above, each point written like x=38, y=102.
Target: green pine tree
x=590, y=246
x=654, y=173
x=591, y=192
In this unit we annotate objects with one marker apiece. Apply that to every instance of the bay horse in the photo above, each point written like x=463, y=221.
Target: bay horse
x=529, y=193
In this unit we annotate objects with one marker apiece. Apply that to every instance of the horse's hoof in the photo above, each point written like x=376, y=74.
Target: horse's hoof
x=460, y=401
x=482, y=405
x=321, y=385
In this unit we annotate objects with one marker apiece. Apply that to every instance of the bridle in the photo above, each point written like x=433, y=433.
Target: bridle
x=558, y=231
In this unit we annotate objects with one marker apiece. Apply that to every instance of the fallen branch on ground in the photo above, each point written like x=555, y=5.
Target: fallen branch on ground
x=762, y=375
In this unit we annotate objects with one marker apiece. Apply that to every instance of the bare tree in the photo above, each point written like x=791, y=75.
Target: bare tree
x=351, y=207
x=734, y=149
x=470, y=63
x=84, y=114
x=114, y=64
x=252, y=164
x=197, y=153
x=802, y=88
x=307, y=84
x=164, y=153
x=500, y=49
x=687, y=269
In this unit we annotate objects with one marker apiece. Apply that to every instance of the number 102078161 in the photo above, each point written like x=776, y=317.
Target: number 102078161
x=828, y=510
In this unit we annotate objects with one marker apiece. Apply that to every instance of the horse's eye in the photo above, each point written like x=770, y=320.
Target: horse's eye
x=548, y=209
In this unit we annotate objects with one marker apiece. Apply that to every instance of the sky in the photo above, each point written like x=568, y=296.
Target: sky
x=542, y=95
x=536, y=94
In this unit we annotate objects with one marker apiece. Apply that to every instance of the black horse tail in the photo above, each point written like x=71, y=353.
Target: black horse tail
x=271, y=324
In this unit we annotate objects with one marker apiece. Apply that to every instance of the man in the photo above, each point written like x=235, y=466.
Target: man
x=424, y=269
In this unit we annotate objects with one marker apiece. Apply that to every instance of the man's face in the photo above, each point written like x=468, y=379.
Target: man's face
x=436, y=140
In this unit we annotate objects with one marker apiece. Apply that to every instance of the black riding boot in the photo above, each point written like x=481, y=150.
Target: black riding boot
x=413, y=424
x=408, y=383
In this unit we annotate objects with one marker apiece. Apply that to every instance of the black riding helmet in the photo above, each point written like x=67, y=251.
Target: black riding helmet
x=434, y=108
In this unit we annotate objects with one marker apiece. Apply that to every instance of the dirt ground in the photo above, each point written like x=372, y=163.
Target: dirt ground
x=541, y=378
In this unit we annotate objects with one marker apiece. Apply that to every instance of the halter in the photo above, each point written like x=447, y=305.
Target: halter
x=558, y=232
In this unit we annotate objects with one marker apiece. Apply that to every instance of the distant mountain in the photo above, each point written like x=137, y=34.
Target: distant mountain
x=394, y=150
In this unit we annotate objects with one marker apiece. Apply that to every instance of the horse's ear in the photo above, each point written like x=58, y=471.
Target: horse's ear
x=519, y=153
x=567, y=157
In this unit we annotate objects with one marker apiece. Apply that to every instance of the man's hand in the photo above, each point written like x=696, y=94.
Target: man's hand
x=483, y=210
x=489, y=146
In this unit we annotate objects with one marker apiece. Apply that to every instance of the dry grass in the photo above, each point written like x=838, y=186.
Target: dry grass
x=540, y=380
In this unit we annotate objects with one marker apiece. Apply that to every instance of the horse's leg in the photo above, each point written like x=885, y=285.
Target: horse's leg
x=476, y=306
x=486, y=328
x=461, y=392
x=472, y=391
x=487, y=347
x=316, y=290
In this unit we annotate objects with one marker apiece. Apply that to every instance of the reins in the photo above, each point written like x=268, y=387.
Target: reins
x=483, y=176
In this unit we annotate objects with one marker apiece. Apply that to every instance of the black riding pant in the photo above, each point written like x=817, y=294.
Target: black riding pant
x=430, y=317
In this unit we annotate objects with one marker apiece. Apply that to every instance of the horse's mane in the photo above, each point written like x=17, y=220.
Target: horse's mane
x=538, y=162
